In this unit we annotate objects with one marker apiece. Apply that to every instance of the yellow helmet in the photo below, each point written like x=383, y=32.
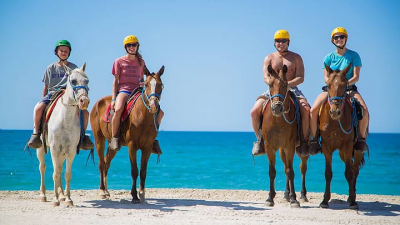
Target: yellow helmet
x=338, y=30
x=130, y=39
x=282, y=34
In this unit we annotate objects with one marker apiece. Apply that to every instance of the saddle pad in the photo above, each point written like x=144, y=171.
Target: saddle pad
x=51, y=107
x=125, y=113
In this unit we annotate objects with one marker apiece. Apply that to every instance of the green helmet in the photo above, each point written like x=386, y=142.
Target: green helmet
x=62, y=43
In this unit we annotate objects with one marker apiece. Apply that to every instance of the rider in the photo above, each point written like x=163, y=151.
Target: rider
x=338, y=60
x=55, y=78
x=128, y=75
x=295, y=76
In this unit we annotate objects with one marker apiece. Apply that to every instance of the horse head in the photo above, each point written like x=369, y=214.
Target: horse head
x=77, y=87
x=153, y=87
x=278, y=88
x=337, y=87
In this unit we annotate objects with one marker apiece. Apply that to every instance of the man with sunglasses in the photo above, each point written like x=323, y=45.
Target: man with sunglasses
x=295, y=76
x=338, y=60
x=56, y=78
x=128, y=75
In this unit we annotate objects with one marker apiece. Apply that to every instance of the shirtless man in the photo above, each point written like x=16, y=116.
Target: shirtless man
x=295, y=76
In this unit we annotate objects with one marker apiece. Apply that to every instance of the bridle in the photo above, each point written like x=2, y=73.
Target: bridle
x=152, y=97
x=285, y=84
x=341, y=98
x=74, y=90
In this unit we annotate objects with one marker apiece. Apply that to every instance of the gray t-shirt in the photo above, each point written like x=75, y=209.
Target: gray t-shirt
x=56, y=76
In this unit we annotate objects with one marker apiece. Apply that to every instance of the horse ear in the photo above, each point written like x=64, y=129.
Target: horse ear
x=346, y=70
x=146, y=71
x=284, y=68
x=328, y=69
x=83, y=67
x=161, y=71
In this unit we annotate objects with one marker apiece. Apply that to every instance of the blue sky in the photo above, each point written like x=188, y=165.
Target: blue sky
x=212, y=51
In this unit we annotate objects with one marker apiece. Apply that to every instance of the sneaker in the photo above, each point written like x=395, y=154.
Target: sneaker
x=360, y=146
x=34, y=141
x=314, y=147
x=86, y=144
x=156, y=148
x=303, y=149
x=258, y=148
x=115, y=145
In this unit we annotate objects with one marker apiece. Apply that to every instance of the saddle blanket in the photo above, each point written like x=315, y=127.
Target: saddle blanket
x=53, y=103
x=125, y=113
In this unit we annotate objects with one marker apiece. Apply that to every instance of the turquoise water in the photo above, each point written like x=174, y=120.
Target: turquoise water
x=204, y=160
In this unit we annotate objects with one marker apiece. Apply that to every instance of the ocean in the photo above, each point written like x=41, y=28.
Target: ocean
x=203, y=160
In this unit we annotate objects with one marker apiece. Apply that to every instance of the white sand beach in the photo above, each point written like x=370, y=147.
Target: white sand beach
x=193, y=206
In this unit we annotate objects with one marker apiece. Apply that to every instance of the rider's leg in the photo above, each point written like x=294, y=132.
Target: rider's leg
x=305, y=127
x=115, y=121
x=156, y=146
x=255, y=114
x=34, y=141
x=314, y=147
x=362, y=126
x=86, y=143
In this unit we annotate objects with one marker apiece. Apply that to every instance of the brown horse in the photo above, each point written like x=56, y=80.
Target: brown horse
x=279, y=130
x=138, y=131
x=338, y=132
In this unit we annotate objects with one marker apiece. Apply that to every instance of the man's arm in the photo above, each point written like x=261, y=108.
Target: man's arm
x=266, y=75
x=299, y=72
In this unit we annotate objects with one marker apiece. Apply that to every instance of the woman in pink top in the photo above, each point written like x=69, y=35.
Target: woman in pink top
x=128, y=75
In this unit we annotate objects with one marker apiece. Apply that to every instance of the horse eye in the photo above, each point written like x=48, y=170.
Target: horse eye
x=86, y=81
x=162, y=86
x=74, y=82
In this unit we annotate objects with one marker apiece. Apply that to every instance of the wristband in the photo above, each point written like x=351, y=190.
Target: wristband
x=113, y=100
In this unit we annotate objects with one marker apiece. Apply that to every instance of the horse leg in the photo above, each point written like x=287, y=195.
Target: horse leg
x=100, y=146
x=42, y=168
x=57, y=164
x=290, y=176
x=68, y=175
x=143, y=173
x=272, y=175
x=287, y=188
x=349, y=176
x=303, y=169
x=328, y=178
x=110, y=155
x=134, y=173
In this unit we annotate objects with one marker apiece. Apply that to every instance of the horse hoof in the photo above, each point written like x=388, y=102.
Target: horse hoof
x=269, y=203
x=142, y=197
x=353, y=206
x=324, y=206
x=294, y=204
x=57, y=203
x=103, y=196
x=43, y=199
x=303, y=199
x=61, y=199
x=69, y=203
x=135, y=201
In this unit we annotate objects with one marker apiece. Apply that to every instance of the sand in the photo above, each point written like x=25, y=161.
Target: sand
x=193, y=206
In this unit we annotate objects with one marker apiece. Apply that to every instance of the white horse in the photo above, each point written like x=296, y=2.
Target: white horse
x=64, y=132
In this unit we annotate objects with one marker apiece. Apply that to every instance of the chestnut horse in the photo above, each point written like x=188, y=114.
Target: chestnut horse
x=337, y=129
x=138, y=131
x=279, y=130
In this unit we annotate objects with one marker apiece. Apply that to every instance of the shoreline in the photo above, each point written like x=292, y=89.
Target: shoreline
x=194, y=206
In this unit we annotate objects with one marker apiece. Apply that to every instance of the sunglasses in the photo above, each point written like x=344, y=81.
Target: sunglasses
x=339, y=37
x=281, y=41
x=131, y=45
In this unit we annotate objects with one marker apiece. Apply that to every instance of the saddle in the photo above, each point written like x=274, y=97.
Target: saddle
x=43, y=129
x=128, y=107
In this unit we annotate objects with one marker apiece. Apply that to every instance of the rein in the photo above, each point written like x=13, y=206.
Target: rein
x=283, y=103
x=156, y=125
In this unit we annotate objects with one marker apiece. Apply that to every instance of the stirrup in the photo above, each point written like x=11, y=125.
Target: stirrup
x=34, y=141
x=115, y=145
x=156, y=148
x=314, y=147
x=86, y=143
x=361, y=145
